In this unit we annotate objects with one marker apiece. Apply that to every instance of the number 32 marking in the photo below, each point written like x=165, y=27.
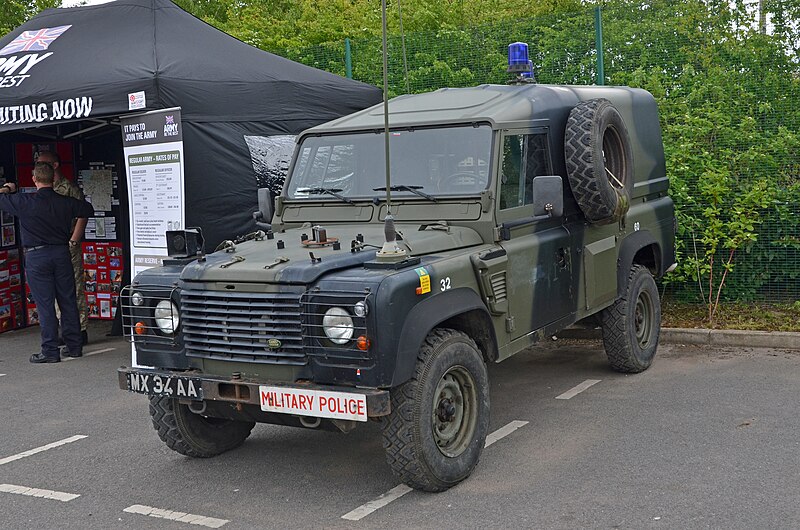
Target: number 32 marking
x=445, y=283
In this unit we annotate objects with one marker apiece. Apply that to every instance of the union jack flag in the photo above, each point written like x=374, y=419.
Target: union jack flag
x=35, y=40
x=170, y=120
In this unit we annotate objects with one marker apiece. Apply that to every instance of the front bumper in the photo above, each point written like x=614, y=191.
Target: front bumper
x=242, y=391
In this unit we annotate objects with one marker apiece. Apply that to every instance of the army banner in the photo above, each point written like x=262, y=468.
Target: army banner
x=153, y=144
x=154, y=165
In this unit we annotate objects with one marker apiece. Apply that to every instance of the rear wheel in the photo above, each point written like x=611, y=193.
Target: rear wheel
x=631, y=326
x=436, y=431
x=194, y=435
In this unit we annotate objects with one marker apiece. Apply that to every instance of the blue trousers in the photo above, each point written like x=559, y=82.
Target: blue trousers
x=50, y=277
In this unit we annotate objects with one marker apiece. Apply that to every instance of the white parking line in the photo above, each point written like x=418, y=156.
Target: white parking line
x=182, y=517
x=502, y=432
x=572, y=392
x=398, y=491
x=35, y=492
x=31, y=452
x=1, y=375
x=366, y=509
x=89, y=354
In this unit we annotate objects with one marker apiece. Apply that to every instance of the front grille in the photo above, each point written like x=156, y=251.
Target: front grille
x=248, y=327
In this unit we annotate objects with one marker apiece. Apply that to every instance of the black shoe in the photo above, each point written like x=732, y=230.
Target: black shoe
x=84, y=338
x=68, y=354
x=42, y=358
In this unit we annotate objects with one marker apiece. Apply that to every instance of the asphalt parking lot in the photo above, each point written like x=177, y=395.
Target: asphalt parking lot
x=707, y=438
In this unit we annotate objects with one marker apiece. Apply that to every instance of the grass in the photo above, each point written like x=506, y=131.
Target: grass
x=747, y=316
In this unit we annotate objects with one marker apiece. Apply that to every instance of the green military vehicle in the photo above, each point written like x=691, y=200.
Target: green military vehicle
x=517, y=211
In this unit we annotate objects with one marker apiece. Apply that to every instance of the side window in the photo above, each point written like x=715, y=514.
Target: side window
x=524, y=157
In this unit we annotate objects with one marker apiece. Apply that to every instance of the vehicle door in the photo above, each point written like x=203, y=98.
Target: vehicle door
x=539, y=267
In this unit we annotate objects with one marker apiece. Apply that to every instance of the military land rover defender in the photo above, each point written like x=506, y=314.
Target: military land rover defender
x=518, y=211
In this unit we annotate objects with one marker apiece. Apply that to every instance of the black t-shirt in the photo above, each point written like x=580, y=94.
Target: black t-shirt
x=45, y=217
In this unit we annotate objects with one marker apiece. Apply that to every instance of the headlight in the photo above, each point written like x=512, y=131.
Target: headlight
x=137, y=299
x=166, y=315
x=338, y=325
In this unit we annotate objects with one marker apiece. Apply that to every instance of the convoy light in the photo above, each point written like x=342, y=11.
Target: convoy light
x=140, y=328
x=137, y=299
x=363, y=343
x=360, y=309
x=166, y=315
x=338, y=325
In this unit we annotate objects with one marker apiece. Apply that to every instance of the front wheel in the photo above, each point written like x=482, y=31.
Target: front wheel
x=436, y=431
x=631, y=326
x=194, y=435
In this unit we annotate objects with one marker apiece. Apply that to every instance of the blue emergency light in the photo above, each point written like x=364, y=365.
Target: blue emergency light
x=518, y=62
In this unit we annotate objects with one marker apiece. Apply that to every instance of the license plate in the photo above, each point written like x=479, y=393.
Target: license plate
x=163, y=385
x=319, y=403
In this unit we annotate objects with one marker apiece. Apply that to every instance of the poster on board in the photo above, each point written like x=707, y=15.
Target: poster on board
x=153, y=145
x=154, y=166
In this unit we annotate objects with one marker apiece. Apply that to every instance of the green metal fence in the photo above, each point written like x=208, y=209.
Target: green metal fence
x=728, y=86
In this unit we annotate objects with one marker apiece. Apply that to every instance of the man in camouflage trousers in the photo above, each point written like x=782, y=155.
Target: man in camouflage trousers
x=65, y=187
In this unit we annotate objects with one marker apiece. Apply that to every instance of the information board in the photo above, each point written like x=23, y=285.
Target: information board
x=153, y=147
x=153, y=144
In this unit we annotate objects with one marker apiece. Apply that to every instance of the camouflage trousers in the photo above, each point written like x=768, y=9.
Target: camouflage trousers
x=77, y=269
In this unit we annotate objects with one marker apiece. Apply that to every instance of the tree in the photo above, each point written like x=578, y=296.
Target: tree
x=727, y=96
x=14, y=13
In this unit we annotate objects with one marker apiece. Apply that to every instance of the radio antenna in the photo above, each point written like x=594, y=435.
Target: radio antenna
x=390, y=251
x=386, y=111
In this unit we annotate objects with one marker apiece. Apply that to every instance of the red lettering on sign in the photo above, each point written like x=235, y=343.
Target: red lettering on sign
x=310, y=402
x=265, y=398
x=361, y=411
x=322, y=402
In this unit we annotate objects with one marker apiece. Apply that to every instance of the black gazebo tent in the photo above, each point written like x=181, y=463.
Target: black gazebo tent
x=70, y=72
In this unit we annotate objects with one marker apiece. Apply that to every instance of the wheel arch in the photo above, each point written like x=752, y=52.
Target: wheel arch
x=639, y=248
x=460, y=309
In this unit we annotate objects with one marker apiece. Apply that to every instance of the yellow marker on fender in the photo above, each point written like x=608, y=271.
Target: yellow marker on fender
x=424, y=281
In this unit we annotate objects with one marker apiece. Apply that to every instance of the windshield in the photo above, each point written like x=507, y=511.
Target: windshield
x=432, y=162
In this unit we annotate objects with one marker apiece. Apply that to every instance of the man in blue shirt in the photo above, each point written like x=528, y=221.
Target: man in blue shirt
x=45, y=219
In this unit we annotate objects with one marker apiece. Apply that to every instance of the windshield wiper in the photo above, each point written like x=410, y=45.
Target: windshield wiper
x=329, y=191
x=412, y=189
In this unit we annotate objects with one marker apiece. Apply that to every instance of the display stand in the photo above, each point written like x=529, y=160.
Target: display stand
x=102, y=269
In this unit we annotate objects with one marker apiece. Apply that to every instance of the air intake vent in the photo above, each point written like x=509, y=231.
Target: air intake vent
x=499, y=291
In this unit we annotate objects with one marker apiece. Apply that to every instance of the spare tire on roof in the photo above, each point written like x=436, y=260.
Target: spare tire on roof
x=599, y=160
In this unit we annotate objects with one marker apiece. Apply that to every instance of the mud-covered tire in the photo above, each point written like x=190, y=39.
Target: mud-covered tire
x=429, y=445
x=631, y=325
x=596, y=146
x=194, y=435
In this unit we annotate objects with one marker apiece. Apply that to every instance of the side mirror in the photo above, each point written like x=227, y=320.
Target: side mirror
x=548, y=196
x=266, y=208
